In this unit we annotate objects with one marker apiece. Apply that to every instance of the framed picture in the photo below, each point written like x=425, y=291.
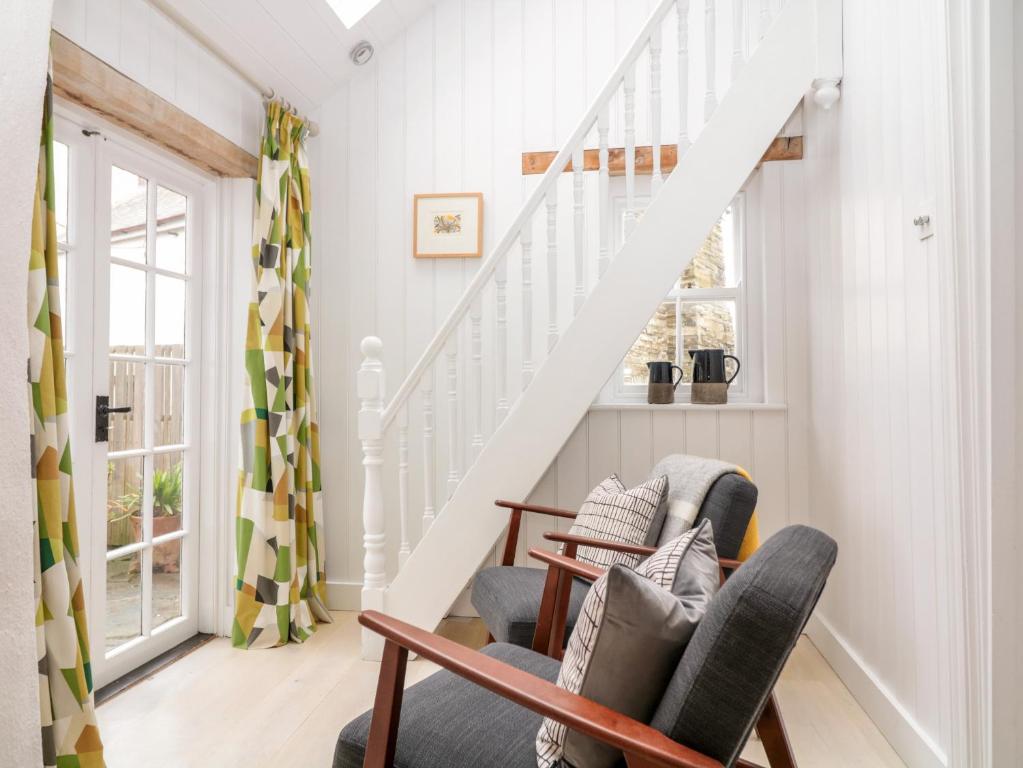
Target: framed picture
x=447, y=225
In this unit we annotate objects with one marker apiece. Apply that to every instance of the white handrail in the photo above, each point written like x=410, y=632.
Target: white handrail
x=530, y=207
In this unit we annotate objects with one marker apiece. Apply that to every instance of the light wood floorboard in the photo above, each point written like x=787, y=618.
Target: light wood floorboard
x=220, y=708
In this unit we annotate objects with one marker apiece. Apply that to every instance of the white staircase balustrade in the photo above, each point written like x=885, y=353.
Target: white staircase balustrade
x=506, y=455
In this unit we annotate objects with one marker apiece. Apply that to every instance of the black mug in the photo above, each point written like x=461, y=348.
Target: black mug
x=663, y=373
x=709, y=366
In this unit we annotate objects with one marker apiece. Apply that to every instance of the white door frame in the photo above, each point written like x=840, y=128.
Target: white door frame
x=203, y=602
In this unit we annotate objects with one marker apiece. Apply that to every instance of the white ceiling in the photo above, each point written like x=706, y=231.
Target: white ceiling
x=299, y=48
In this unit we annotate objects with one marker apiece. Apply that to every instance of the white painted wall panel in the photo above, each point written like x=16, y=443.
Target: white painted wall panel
x=133, y=37
x=877, y=430
x=449, y=106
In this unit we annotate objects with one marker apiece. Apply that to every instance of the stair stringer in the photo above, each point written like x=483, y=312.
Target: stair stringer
x=691, y=200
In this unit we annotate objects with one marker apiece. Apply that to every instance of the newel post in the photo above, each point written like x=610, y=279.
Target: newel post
x=370, y=388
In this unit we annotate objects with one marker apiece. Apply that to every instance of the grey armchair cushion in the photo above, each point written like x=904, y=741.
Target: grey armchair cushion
x=507, y=598
x=729, y=505
x=736, y=654
x=447, y=721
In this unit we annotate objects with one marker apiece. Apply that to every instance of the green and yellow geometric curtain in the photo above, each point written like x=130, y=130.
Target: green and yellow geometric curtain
x=280, y=585
x=69, y=731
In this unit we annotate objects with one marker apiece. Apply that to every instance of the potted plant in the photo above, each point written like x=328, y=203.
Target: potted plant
x=166, y=514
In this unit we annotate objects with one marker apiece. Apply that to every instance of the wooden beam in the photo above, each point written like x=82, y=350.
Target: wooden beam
x=80, y=77
x=782, y=148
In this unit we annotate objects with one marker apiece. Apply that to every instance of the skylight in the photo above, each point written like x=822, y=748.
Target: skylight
x=351, y=11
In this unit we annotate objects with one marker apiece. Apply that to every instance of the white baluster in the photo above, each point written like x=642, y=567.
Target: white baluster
x=765, y=17
x=476, y=336
x=370, y=388
x=580, y=229
x=428, y=452
x=453, y=442
x=603, y=119
x=403, y=549
x=738, y=33
x=552, y=267
x=710, y=98
x=630, y=149
x=682, y=6
x=526, y=240
x=501, y=337
x=655, y=108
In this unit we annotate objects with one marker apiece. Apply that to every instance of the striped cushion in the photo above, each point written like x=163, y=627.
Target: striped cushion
x=613, y=513
x=628, y=638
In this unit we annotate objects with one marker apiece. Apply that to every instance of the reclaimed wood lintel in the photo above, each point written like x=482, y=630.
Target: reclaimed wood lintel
x=80, y=77
x=782, y=148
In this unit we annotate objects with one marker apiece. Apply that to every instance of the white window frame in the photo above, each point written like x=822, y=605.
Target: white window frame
x=205, y=532
x=747, y=386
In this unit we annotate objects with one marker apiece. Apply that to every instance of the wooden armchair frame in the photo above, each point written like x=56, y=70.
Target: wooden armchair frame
x=643, y=746
x=549, y=637
x=550, y=631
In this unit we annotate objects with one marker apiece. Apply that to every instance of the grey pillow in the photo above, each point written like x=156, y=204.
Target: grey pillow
x=628, y=639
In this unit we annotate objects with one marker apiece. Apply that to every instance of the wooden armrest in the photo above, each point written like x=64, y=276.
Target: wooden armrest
x=552, y=511
x=643, y=746
x=517, y=508
x=726, y=563
x=585, y=541
x=569, y=564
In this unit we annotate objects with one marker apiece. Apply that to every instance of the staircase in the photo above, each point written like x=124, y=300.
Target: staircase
x=610, y=309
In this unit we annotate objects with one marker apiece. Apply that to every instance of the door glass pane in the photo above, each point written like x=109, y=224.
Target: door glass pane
x=166, y=582
x=124, y=600
x=170, y=317
x=167, y=492
x=127, y=388
x=124, y=501
x=127, y=310
x=62, y=290
x=170, y=229
x=716, y=263
x=128, y=210
x=657, y=342
x=707, y=325
x=60, y=189
x=169, y=403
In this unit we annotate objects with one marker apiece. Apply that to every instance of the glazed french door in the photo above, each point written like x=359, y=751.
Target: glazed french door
x=130, y=274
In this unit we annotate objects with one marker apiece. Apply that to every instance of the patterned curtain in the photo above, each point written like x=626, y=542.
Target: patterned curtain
x=280, y=582
x=70, y=734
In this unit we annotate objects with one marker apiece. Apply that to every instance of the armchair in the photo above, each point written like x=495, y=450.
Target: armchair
x=483, y=709
x=508, y=597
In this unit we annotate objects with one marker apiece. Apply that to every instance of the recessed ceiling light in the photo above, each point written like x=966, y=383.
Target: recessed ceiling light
x=351, y=11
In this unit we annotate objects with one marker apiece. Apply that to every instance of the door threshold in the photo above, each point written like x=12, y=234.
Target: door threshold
x=151, y=667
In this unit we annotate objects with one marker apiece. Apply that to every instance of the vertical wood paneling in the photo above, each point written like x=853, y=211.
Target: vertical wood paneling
x=134, y=37
x=770, y=470
x=636, y=446
x=735, y=438
x=702, y=433
x=605, y=446
x=878, y=438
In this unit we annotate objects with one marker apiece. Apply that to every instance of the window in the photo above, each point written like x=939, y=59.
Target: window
x=705, y=309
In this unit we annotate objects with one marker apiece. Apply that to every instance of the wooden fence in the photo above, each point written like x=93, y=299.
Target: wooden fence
x=127, y=387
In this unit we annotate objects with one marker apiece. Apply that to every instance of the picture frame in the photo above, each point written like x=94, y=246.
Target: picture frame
x=447, y=225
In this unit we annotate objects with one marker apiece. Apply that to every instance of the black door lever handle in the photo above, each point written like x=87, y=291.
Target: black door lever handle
x=103, y=411
x=108, y=409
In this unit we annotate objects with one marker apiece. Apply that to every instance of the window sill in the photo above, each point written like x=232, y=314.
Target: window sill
x=634, y=406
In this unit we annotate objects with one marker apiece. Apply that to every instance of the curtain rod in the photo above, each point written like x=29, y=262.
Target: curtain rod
x=268, y=94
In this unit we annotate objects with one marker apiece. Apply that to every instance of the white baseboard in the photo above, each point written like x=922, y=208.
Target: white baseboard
x=344, y=595
x=914, y=746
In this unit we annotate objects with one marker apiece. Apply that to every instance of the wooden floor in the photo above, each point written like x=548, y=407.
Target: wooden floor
x=221, y=708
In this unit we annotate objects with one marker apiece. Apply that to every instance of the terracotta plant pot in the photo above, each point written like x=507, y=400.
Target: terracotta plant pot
x=165, y=559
